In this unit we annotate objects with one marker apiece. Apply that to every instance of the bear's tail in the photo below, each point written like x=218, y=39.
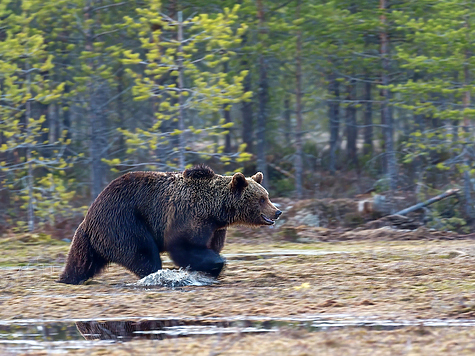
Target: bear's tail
x=83, y=261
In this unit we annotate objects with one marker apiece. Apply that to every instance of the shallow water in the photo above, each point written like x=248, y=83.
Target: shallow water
x=35, y=333
x=250, y=256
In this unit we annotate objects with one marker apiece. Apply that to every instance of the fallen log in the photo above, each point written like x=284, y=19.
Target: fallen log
x=430, y=201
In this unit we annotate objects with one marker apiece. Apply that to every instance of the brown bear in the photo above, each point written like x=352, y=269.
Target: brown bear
x=141, y=214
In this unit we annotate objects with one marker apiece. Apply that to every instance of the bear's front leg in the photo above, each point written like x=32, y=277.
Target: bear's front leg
x=191, y=251
x=198, y=259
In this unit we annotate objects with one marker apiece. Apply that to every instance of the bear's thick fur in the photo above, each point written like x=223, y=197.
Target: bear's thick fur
x=141, y=214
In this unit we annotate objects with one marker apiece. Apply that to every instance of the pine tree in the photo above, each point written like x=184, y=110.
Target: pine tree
x=25, y=68
x=439, y=54
x=183, y=75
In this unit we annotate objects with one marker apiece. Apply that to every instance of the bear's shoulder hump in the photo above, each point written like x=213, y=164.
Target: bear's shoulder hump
x=199, y=172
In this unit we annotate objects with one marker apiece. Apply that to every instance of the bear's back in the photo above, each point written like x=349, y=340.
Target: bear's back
x=135, y=196
x=135, y=189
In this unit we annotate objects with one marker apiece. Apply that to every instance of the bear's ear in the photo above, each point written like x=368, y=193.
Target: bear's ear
x=258, y=177
x=239, y=182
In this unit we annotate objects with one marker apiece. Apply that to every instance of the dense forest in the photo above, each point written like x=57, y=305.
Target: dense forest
x=326, y=98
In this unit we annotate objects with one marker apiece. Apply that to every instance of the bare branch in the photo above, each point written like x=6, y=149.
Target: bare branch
x=104, y=33
x=108, y=6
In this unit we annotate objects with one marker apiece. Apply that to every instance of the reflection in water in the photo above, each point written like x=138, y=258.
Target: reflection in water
x=38, y=332
x=115, y=330
x=164, y=329
x=170, y=328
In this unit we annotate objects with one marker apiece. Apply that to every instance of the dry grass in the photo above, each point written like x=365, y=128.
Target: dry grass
x=334, y=342
x=407, y=279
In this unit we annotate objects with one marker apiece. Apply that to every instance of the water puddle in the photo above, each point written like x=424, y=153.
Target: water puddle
x=251, y=256
x=74, y=334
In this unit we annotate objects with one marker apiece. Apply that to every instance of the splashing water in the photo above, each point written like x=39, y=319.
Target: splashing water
x=172, y=278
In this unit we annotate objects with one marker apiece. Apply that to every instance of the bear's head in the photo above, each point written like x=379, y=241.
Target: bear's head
x=252, y=203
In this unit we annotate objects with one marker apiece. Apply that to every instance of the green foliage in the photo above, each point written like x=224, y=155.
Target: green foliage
x=109, y=81
x=438, y=222
x=53, y=195
x=24, y=61
x=185, y=79
x=437, y=51
x=444, y=216
x=381, y=185
x=283, y=187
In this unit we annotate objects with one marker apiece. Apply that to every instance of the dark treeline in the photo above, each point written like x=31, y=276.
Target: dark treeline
x=327, y=99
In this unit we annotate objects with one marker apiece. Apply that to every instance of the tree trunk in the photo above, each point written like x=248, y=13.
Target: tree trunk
x=263, y=94
x=391, y=168
x=227, y=119
x=467, y=127
x=455, y=123
x=246, y=106
x=351, y=129
x=67, y=116
x=334, y=115
x=181, y=98
x=227, y=137
x=262, y=117
x=98, y=141
x=122, y=148
x=298, y=112
x=30, y=181
x=55, y=130
x=42, y=110
x=384, y=160
x=3, y=155
x=368, y=147
x=287, y=119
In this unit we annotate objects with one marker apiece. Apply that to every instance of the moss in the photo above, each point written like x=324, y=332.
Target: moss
x=451, y=254
x=288, y=234
x=353, y=220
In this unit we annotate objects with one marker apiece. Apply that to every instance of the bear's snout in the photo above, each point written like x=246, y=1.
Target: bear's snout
x=277, y=214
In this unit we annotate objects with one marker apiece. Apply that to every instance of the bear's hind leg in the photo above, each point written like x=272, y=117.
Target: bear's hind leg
x=82, y=262
x=138, y=252
x=145, y=261
x=144, y=256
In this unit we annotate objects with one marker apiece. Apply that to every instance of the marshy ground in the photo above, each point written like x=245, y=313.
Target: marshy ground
x=376, y=293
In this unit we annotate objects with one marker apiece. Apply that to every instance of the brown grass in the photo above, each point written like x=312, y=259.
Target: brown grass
x=390, y=279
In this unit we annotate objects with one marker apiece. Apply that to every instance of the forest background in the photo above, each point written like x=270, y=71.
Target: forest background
x=326, y=98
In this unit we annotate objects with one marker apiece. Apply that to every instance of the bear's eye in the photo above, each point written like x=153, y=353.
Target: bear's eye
x=262, y=200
